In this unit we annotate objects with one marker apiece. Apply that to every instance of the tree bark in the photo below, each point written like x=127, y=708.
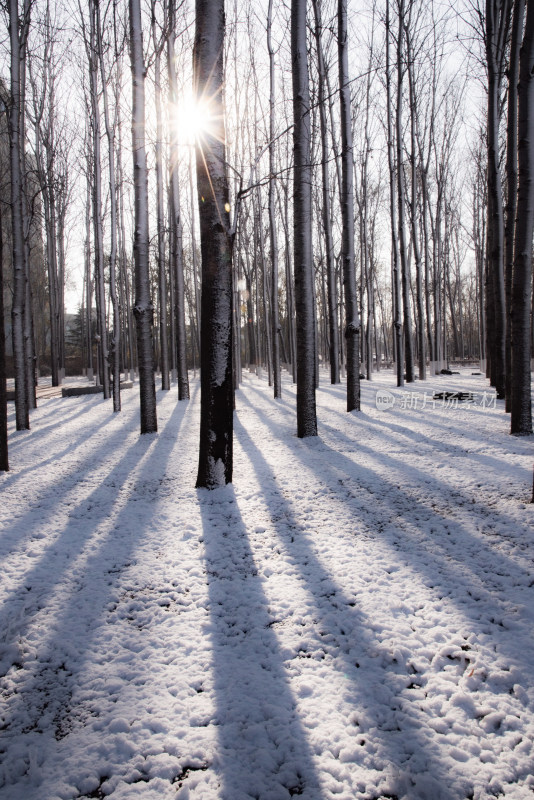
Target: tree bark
x=143, y=309
x=19, y=273
x=331, y=282
x=397, y=323
x=497, y=25
x=4, y=459
x=511, y=182
x=352, y=318
x=216, y=378
x=521, y=404
x=275, y=321
x=177, y=264
x=302, y=225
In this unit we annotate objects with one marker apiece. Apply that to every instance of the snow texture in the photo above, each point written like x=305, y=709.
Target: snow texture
x=351, y=619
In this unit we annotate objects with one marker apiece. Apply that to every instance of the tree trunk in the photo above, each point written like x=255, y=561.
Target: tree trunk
x=19, y=272
x=352, y=319
x=497, y=23
x=403, y=250
x=275, y=321
x=217, y=394
x=511, y=182
x=110, y=135
x=521, y=405
x=143, y=309
x=160, y=215
x=4, y=460
x=302, y=225
x=397, y=323
x=331, y=282
x=177, y=264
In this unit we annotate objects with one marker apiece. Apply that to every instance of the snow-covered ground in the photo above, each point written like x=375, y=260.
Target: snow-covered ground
x=353, y=618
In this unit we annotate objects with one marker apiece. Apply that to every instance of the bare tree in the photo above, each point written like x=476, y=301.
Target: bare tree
x=331, y=279
x=177, y=265
x=18, y=30
x=521, y=293
x=275, y=321
x=302, y=225
x=143, y=308
x=497, y=25
x=4, y=459
x=352, y=325
x=217, y=392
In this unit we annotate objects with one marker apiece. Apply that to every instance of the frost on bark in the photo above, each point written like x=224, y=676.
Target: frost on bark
x=302, y=225
x=352, y=323
x=216, y=379
x=143, y=309
x=521, y=404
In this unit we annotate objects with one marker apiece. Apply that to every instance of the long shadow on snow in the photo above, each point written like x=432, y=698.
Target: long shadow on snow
x=393, y=497
x=61, y=651
x=263, y=750
x=35, y=433
x=404, y=757
x=437, y=559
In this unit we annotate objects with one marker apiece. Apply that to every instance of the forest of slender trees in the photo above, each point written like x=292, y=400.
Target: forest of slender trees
x=330, y=187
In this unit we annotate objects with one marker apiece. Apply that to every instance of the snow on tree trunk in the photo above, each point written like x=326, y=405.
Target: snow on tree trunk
x=521, y=405
x=302, y=226
x=143, y=309
x=352, y=324
x=216, y=379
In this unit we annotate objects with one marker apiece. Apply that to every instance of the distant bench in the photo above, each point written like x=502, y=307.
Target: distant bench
x=77, y=391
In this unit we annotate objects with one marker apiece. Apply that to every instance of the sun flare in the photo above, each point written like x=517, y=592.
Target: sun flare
x=194, y=119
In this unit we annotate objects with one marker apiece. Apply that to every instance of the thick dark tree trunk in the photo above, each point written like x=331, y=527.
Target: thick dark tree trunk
x=496, y=34
x=302, y=226
x=216, y=379
x=521, y=404
x=511, y=182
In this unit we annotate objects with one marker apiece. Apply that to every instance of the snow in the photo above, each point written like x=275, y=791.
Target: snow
x=352, y=618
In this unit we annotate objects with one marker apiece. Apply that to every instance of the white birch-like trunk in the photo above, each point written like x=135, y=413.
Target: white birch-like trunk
x=275, y=321
x=352, y=318
x=177, y=263
x=110, y=127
